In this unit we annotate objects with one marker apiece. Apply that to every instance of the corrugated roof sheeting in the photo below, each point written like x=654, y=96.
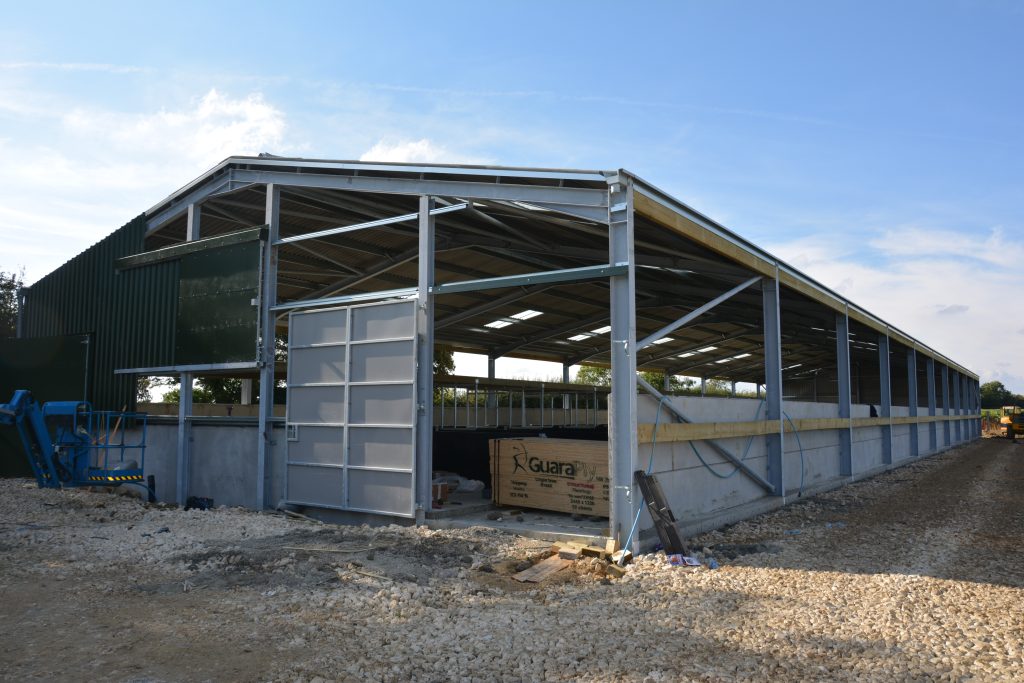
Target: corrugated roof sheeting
x=129, y=315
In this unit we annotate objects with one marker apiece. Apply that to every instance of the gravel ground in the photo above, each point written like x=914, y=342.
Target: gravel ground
x=917, y=574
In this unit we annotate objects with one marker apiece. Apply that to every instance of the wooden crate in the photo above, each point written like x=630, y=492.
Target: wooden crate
x=562, y=475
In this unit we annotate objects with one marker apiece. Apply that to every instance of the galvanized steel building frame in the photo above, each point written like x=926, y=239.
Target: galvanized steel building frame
x=614, y=214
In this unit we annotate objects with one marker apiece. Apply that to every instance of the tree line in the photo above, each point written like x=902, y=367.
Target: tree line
x=995, y=395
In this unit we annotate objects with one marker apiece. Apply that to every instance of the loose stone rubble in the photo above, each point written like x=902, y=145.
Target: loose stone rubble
x=917, y=574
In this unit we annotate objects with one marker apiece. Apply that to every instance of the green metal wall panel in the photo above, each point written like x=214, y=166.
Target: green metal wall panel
x=129, y=315
x=217, y=317
x=53, y=369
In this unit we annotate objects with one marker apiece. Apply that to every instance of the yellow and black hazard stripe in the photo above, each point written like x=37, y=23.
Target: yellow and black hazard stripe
x=132, y=477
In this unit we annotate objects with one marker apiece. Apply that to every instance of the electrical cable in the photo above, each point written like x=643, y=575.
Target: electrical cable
x=650, y=466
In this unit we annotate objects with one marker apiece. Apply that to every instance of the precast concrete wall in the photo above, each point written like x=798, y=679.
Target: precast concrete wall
x=222, y=464
x=706, y=494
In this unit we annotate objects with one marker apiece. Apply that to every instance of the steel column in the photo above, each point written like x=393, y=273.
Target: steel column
x=184, y=437
x=957, y=432
x=845, y=400
x=915, y=446
x=267, y=342
x=184, y=446
x=192, y=228
x=425, y=366
x=932, y=426
x=977, y=408
x=946, y=408
x=565, y=397
x=773, y=379
x=622, y=422
x=885, y=400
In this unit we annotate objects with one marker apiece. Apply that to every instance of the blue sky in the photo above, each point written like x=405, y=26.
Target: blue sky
x=877, y=146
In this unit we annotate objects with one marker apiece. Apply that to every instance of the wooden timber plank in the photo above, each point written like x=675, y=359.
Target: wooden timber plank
x=704, y=431
x=542, y=570
x=812, y=424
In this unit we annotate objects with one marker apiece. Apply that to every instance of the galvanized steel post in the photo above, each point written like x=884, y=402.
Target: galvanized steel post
x=267, y=341
x=425, y=365
x=915, y=447
x=885, y=399
x=773, y=379
x=843, y=373
x=184, y=437
x=946, y=407
x=622, y=423
x=957, y=431
x=932, y=426
x=184, y=446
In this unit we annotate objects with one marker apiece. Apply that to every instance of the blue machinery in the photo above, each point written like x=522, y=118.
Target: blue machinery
x=69, y=444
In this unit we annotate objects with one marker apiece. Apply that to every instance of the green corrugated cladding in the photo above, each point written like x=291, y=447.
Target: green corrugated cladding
x=128, y=314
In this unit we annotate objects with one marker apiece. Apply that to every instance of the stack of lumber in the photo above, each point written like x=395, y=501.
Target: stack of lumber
x=565, y=553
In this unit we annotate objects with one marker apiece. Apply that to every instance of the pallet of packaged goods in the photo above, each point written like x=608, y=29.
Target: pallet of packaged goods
x=560, y=475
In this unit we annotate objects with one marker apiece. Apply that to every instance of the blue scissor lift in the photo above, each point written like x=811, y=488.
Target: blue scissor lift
x=70, y=444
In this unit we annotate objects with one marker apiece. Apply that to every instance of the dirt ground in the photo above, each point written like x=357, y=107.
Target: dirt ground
x=917, y=574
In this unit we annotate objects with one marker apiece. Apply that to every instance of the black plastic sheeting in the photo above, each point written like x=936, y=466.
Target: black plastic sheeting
x=53, y=369
x=465, y=451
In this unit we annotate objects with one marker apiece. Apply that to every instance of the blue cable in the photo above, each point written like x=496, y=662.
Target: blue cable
x=650, y=466
x=796, y=433
x=746, y=451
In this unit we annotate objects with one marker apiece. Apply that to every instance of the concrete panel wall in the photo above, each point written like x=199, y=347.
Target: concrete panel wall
x=703, y=495
x=223, y=463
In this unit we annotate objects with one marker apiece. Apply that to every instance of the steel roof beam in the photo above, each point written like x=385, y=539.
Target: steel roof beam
x=572, y=326
x=588, y=203
x=696, y=313
x=721, y=339
x=364, y=226
x=486, y=306
x=551, y=276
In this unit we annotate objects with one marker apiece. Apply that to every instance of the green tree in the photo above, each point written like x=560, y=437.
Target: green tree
x=10, y=283
x=602, y=377
x=995, y=395
x=444, y=360
x=593, y=376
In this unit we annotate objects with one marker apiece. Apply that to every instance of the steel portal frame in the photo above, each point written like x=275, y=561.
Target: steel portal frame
x=612, y=210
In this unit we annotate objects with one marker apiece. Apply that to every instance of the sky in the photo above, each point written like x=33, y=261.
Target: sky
x=876, y=146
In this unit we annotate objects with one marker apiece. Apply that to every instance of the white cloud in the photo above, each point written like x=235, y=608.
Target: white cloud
x=416, y=151
x=933, y=289
x=918, y=242
x=210, y=129
x=69, y=179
